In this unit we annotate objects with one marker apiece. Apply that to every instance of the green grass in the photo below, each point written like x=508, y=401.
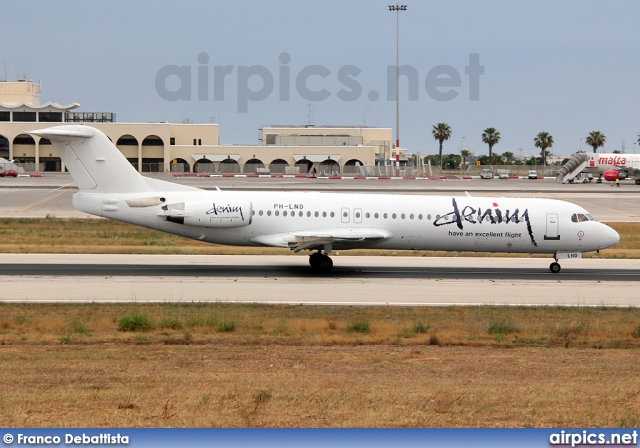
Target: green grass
x=359, y=326
x=136, y=322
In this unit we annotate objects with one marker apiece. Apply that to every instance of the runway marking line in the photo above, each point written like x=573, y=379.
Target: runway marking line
x=41, y=201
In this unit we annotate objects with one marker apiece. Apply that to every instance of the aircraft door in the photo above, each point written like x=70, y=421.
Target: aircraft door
x=357, y=215
x=345, y=215
x=552, y=228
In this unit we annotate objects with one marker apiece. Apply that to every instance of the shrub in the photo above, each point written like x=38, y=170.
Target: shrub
x=77, y=327
x=135, y=322
x=503, y=327
x=172, y=323
x=226, y=326
x=419, y=327
x=361, y=326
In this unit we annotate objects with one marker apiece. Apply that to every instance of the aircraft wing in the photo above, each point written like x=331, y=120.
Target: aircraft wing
x=315, y=239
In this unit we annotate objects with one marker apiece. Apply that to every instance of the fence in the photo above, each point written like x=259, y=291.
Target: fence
x=321, y=170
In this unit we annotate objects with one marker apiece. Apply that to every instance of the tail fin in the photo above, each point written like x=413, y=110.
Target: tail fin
x=93, y=160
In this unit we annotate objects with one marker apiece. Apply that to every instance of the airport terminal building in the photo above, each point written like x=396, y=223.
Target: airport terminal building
x=186, y=147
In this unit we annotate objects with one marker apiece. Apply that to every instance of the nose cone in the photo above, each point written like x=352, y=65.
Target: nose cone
x=609, y=237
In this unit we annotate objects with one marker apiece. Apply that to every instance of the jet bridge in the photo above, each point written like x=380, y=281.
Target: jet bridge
x=573, y=167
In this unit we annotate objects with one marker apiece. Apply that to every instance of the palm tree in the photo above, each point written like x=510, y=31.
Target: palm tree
x=507, y=156
x=543, y=141
x=441, y=132
x=595, y=139
x=465, y=153
x=491, y=137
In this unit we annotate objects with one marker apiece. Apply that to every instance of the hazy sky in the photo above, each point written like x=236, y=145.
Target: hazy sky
x=566, y=67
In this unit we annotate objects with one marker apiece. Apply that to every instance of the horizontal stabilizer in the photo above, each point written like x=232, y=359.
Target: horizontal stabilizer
x=63, y=134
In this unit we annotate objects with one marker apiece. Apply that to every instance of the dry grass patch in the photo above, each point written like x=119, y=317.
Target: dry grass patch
x=316, y=386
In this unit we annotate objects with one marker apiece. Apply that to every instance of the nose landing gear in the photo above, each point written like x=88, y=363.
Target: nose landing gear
x=555, y=267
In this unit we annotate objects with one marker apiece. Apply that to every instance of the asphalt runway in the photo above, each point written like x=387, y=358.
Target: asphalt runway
x=394, y=281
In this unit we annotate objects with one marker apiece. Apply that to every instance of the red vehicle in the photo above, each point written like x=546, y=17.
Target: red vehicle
x=9, y=173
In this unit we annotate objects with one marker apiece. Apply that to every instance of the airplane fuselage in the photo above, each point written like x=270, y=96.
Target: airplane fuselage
x=599, y=163
x=519, y=225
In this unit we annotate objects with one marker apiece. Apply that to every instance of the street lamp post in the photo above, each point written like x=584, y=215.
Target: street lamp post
x=397, y=8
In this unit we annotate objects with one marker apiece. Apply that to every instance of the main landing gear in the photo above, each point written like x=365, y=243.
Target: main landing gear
x=320, y=262
x=555, y=267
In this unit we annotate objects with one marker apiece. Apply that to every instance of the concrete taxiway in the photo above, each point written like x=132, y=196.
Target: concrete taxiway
x=394, y=281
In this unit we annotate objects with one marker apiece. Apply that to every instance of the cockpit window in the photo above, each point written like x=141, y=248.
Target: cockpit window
x=582, y=217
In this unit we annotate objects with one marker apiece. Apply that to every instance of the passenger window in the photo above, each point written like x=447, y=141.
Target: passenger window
x=376, y=216
x=277, y=213
x=357, y=214
x=317, y=214
x=428, y=216
x=333, y=214
x=308, y=214
x=324, y=214
x=367, y=215
x=384, y=216
x=260, y=213
x=411, y=216
x=269, y=213
x=420, y=217
x=284, y=213
x=393, y=216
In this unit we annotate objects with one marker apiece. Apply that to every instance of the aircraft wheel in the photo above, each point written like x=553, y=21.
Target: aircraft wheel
x=314, y=259
x=325, y=264
x=637, y=181
x=554, y=267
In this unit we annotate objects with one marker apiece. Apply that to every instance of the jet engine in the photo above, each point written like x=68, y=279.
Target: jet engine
x=614, y=174
x=208, y=213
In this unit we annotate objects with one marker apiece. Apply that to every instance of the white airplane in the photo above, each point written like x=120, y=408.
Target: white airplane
x=109, y=186
x=614, y=166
